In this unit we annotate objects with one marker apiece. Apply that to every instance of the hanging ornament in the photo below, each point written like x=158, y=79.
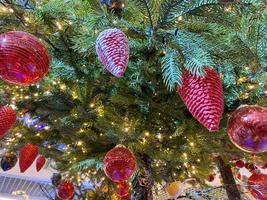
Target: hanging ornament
x=203, y=97
x=27, y=156
x=257, y=185
x=174, y=189
x=247, y=128
x=56, y=179
x=24, y=60
x=8, y=161
x=40, y=163
x=240, y=164
x=65, y=191
x=112, y=49
x=119, y=165
x=7, y=119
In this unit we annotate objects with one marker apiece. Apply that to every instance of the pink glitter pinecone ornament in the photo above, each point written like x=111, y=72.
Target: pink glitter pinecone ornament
x=203, y=97
x=113, y=51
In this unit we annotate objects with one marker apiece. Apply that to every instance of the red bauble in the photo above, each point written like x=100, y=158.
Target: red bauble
x=123, y=189
x=240, y=164
x=247, y=128
x=119, y=164
x=24, y=60
x=27, y=156
x=7, y=119
x=65, y=191
x=257, y=185
x=112, y=49
x=40, y=163
x=250, y=167
x=203, y=96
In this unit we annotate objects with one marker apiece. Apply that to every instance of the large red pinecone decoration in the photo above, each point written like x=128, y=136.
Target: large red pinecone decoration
x=257, y=185
x=203, y=96
x=27, y=156
x=24, y=59
x=112, y=49
x=65, y=191
x=40, y=163
x=7, y=119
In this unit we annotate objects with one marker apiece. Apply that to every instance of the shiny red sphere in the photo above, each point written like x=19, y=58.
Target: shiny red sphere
x=240, y=164
x=257, y=185
x=24, y=60
x=247, y=128
x=119, y=164
x=65, y=191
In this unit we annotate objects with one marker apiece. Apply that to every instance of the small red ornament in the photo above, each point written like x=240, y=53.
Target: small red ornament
x=122, y=189
x=250, y=167
x=240, y=164
x=257, y=185
x=119, y=164
x=24, y=60
x=40, y=163
x=65, y=191
x=247, y=128
x=203, y=97
x=7, y=119
x=211, y=178
x=112, y=49
x=27, y=156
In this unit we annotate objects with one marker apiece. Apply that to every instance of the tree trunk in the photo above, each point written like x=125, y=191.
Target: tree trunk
x=228, y=179
x=143, y=182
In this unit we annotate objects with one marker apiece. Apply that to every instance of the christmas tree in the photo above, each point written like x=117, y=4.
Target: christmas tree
x=95, y=97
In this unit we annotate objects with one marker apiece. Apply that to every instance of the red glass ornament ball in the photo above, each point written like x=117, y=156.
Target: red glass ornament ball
x=257, y=183
x=123, y=189
x=119, y=164
x=65, y=191
x=7, y=119
x=240, y=164
x=247, y=128
x=24, y=60
x=211, y=178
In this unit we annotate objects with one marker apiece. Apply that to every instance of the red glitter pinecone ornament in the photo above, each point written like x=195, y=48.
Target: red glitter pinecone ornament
x=203, y=96
x=40, y=163
x=112, y=49
x=7, y=119
x=27, y=156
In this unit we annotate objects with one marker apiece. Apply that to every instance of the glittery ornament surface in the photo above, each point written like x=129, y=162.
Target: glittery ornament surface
x=7, y=119
x=27, y=155
x=24, y=59
x=247, y=128
x=122, y=189
x=112, y=49
x=119, y=164
x=65, y=191
x=257, y=185
x=203, y=97
x=8, y=161
x=40, y=163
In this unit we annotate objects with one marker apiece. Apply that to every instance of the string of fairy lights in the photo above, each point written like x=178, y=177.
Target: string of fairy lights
x=21, y=93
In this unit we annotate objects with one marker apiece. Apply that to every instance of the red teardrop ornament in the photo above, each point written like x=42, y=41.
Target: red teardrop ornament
x=7, y=119
x=27, y=156
x=40, y=163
